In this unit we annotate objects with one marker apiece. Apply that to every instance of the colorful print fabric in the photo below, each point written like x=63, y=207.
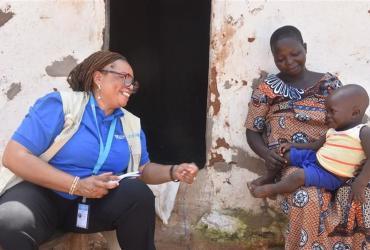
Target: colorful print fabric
x=286, y=114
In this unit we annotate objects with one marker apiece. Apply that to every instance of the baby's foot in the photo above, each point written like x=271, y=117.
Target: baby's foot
x=251, y=186
x=263, y=191
x=262, y=181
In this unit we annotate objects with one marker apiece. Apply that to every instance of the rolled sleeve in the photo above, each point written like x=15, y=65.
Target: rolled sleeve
x=42, y=124
x=144, y=152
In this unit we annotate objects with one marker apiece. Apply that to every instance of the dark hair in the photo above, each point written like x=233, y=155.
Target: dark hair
x=284, y=32
x=81, y=76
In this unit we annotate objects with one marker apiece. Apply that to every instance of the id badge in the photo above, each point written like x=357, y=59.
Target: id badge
x=82, y=216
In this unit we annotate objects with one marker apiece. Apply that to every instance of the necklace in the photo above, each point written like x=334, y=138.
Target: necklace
x=280, y=87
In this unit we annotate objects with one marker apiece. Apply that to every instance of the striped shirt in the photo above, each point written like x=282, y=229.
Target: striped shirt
x=342, y=152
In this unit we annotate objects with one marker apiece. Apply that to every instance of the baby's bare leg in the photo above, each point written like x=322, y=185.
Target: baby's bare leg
x=264, y=179
x=286, y=185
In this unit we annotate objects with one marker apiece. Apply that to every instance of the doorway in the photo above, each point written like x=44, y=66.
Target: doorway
x=167, y=44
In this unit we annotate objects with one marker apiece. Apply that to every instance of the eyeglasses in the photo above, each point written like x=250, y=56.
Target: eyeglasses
x=127, y=79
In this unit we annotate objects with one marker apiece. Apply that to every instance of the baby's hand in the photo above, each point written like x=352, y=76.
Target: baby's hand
x=285, y=147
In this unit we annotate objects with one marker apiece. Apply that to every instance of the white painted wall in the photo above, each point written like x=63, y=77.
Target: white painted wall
x=39, y=33
x=337, y=36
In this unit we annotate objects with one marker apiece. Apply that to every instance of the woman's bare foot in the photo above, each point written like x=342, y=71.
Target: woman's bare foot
x=263, y=191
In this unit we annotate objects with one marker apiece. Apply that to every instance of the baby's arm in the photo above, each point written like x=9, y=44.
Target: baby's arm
x=312, y=145
x=358, y=186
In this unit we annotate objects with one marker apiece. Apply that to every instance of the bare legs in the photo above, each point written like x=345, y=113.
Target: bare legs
x=264, y=187
x=286, y=185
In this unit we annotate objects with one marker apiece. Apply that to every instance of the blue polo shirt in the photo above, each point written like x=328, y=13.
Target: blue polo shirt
x=78, y=156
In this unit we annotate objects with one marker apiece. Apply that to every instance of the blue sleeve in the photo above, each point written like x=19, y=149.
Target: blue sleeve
x=144, y=153
x=42, y=124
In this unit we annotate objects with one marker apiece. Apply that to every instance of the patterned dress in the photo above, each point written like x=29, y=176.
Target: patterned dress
x=283, y=113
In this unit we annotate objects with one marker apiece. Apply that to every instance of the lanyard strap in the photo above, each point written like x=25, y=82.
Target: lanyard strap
x=103, y=150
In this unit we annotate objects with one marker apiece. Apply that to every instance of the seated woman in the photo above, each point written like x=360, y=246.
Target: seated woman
x=289, y=107
x=78, y=189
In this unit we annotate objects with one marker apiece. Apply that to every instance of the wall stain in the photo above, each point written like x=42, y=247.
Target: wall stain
x=230, y=20
x=243, y=160
x=222, y=167
x=221, y=143
x=215, y=157
x=209, y=126
x=245, y=83
x=5, y=16
x=255, y=11
x=220, y=42
x=216, y=104
x=13, y=90
x=61, y=68
x=257, y=81
x=227, y=85
x=251, y=39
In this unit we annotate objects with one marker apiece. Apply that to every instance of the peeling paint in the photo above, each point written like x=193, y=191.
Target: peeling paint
x=13, y=90
x=251, y=39
x=216, y=157
x=216, y=104
x=61, y=68
x=257, y=81
x=221, y=142
x=220, y=42
x=244, y=160
x=5, y=16
x=230, y=20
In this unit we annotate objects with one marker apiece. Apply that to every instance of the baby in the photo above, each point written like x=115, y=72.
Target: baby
x=339, y=155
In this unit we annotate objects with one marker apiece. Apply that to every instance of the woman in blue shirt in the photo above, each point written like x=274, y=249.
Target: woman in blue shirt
x=78, y=189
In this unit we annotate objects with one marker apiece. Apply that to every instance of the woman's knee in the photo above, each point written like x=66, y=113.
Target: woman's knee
x=138, y=190
x=17, y=226
x=15, y=216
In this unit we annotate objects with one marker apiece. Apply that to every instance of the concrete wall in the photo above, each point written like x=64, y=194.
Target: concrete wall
x=338, y=41
x=40, y=42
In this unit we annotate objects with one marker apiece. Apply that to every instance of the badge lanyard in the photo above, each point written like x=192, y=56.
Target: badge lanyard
x=83, y=209
x=103, y=150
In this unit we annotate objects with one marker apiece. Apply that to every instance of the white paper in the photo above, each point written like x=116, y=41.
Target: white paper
x=129, y=175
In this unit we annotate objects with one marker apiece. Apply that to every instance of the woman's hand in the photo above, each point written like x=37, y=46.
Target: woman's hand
x=358, y=190
x=185, y=172
x=274, y=160
x=96, y=186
